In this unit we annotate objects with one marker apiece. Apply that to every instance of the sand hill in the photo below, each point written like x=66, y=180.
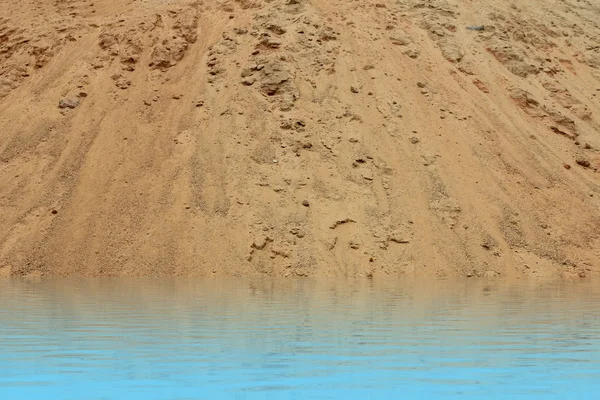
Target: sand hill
x=300, y=137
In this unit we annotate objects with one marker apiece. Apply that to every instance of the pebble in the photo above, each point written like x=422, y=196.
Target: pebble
x=583, y=162
x=306, y=203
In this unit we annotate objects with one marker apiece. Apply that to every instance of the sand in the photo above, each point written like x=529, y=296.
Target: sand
x=300, y=138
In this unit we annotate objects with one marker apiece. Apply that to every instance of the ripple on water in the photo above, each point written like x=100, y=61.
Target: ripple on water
x=297, y=339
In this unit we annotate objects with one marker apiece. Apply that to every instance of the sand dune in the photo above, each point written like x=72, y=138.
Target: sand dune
x=300, y=138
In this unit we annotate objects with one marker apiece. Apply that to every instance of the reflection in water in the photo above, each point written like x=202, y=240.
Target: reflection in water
x=297, y=339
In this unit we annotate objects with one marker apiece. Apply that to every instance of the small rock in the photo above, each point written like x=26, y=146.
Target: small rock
x=367, y=174
x=120, y=81
x=566, y=166
x=481, y=86
x=277, y=29
x=412, y=52
x=341, y=222
x=400, y=39
x=68, y=103
x=306, y=203
x=414, y=140
x=583, y=162
x=353, y=89
x=270, y=43
x=399, y=237
x=476, y=28
x=299, y=233
x=420, y=85
x=176, y=96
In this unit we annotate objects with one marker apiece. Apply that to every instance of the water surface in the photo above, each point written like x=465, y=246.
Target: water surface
x=297, y=339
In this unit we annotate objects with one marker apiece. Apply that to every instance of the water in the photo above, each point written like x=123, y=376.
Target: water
x=297, y=339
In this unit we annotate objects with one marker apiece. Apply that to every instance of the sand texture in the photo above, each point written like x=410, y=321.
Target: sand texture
x=300, y=138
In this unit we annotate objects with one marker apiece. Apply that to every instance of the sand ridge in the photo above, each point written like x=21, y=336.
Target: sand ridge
x=299, y=138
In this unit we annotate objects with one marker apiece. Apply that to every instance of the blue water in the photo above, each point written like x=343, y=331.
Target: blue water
x=298, y=339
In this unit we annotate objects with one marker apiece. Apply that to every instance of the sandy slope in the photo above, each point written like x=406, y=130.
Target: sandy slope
x=300, y=137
